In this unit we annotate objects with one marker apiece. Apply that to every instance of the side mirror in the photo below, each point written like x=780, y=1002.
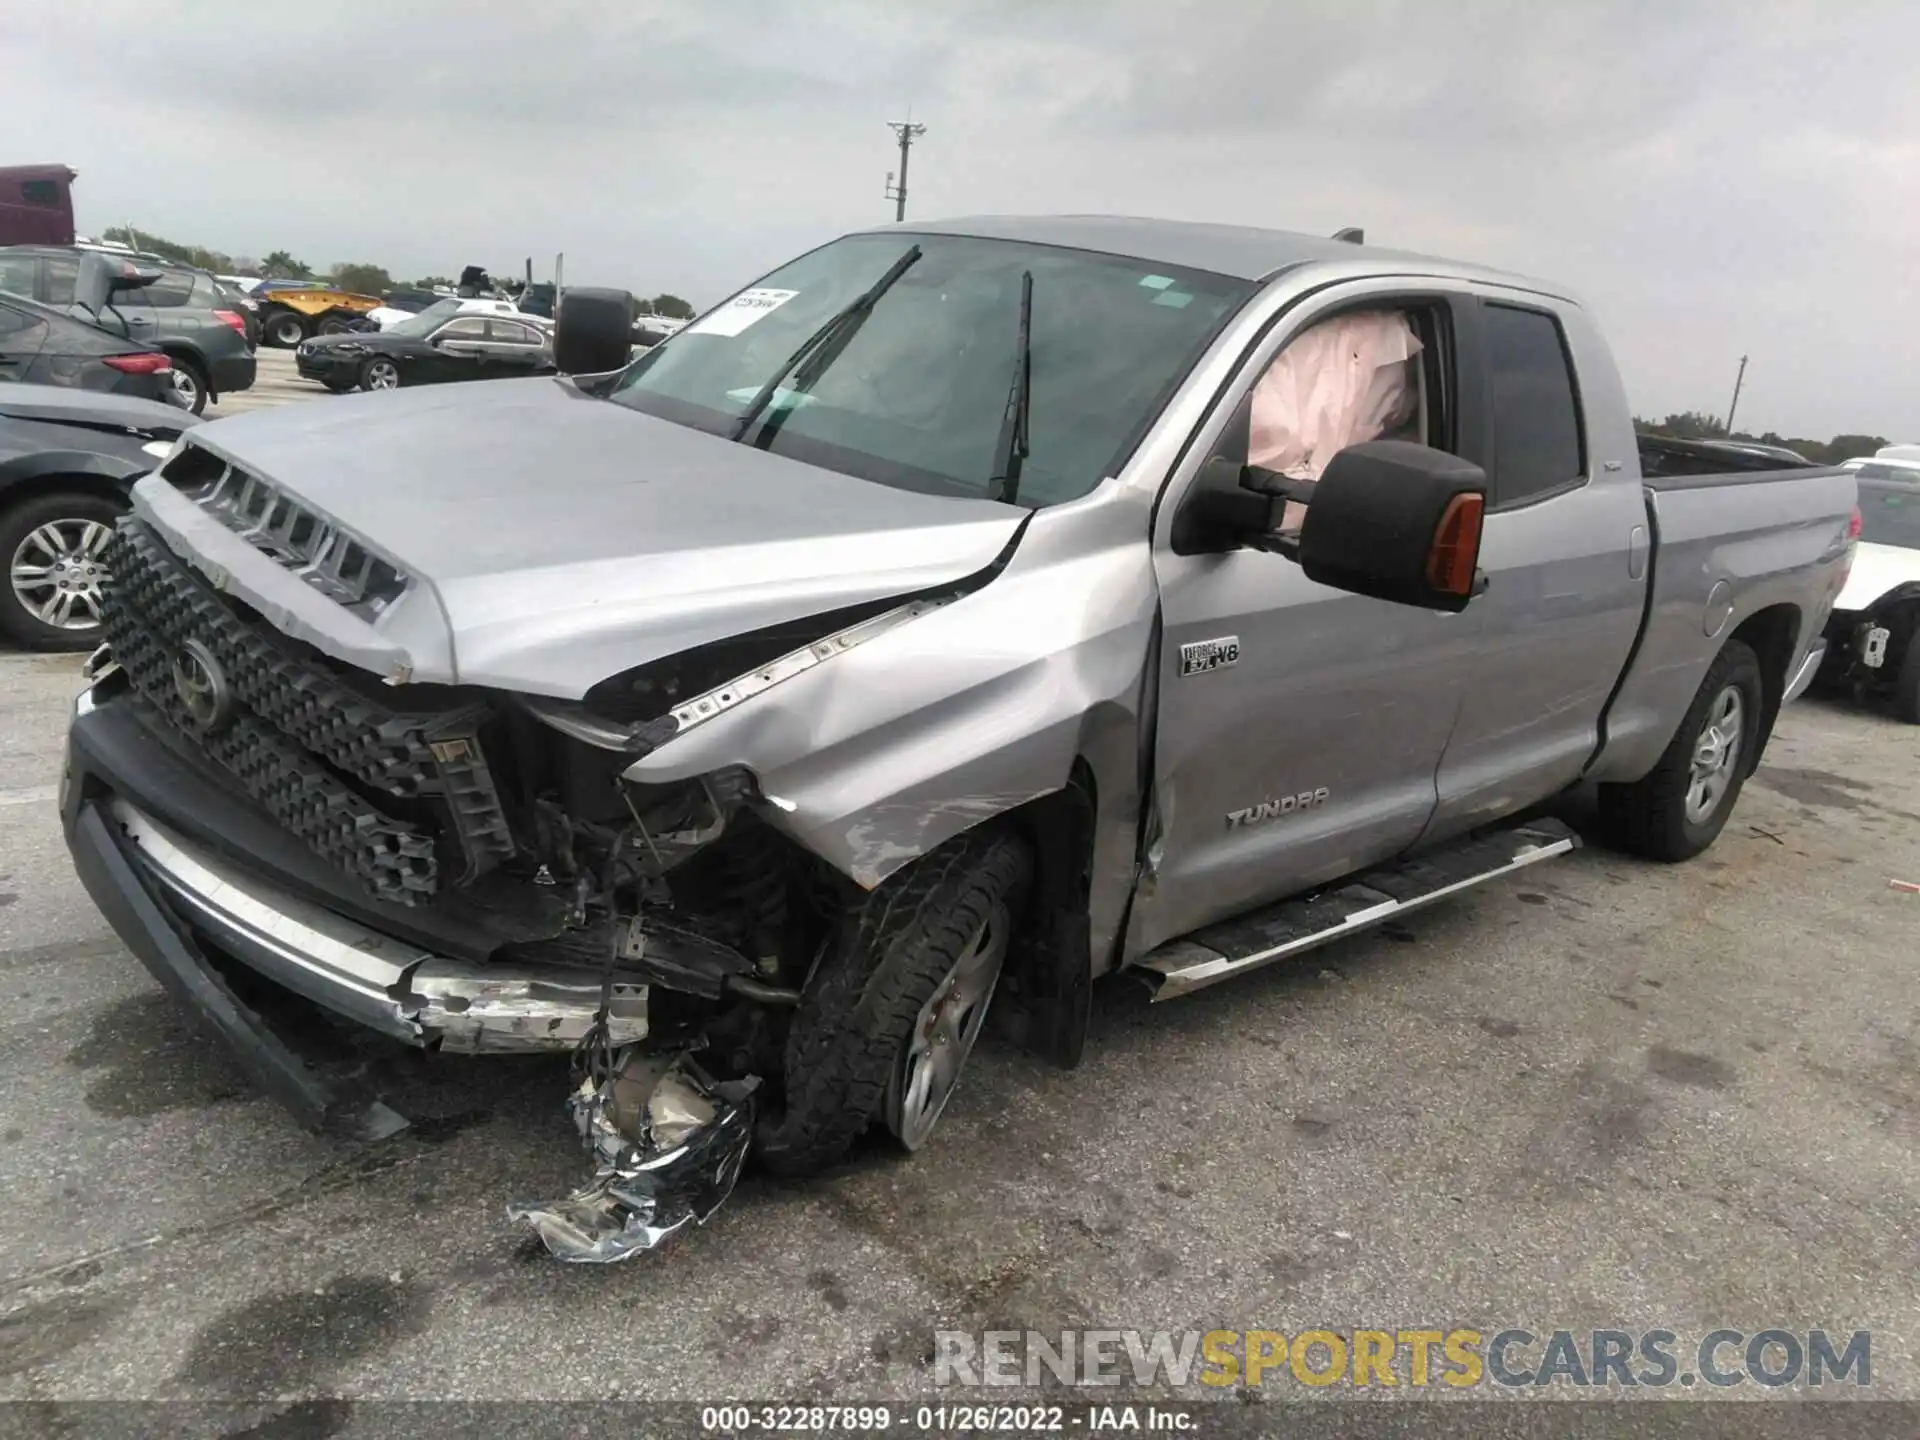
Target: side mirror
x=1399, y=522
x=593, y=333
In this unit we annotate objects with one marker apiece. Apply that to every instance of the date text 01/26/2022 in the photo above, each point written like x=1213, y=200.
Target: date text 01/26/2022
x=945, y=1419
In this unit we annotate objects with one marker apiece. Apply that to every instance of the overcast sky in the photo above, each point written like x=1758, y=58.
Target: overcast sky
x=1717, y=180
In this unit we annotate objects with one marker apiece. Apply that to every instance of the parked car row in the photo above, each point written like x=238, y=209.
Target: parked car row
x=188, y=316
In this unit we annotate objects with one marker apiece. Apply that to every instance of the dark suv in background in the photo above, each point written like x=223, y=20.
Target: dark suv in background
x=186, y=313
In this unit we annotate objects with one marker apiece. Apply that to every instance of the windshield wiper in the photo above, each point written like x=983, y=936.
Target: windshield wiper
x=830, y=339
x=1012, y=448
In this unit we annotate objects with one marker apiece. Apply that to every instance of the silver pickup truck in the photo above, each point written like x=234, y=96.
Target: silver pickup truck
x=961, y=613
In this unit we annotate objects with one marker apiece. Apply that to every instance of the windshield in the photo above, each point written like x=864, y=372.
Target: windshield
x=427, y=321
x=1890, y=507
x=917, y=394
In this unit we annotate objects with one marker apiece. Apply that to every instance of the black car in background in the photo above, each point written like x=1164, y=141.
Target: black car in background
x=437, y=345
x=40, y=345
x=186, y=313
x=67, y=459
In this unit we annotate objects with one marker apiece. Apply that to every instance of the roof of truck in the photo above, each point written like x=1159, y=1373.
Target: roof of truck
x=1243, y=251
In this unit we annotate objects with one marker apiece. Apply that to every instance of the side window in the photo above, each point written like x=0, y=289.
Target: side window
x=21, y=334
x=511, y=333
x=468, y=328
x=173, y=288
x=62, y=272
x=16, y=274
x=1536, y=411
x=40, y=192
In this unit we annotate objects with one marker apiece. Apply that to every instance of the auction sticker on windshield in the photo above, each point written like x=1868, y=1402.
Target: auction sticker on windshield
x=741, y=311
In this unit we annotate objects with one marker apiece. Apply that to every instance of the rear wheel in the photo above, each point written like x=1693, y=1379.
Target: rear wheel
x=285, y=328
x=52, y=545
x=1680, y=807
x=1906, y=680
x=334, y=324
x=190, y=383
x=379, y=373
x=893, y=1009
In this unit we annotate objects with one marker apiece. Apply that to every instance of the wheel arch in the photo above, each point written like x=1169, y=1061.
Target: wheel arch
x=1773, y=634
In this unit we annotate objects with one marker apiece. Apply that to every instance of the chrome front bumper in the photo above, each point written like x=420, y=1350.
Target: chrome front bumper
x=383, y=983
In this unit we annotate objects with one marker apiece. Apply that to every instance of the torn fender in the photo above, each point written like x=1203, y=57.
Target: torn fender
x=968, y=711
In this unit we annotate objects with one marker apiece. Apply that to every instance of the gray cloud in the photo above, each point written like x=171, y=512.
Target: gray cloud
x=1718, y=179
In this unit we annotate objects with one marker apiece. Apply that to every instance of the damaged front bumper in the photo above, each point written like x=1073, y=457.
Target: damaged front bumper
x=385, y=984
x=199, y=898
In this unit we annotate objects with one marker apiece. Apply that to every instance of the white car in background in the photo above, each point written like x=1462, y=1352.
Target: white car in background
x=1873, y=639
x=386, y=315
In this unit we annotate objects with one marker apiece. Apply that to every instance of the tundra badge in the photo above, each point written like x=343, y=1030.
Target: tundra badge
x=1273, y=809
x=1201, y=656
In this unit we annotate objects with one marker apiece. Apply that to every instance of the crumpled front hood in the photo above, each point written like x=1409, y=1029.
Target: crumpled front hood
x=554, y=540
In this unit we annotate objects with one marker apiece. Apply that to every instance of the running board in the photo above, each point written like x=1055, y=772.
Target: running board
x=1260, y=937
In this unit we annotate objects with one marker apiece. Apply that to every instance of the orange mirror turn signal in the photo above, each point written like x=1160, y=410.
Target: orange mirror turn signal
x=1455, y=553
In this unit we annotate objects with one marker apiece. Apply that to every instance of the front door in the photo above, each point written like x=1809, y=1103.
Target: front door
x=1299, y=727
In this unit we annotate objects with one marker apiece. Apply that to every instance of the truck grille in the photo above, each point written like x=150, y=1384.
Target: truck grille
x=293, y=735
x=276, y=524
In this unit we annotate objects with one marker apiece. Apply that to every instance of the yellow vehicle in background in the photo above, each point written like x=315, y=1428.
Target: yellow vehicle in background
x=290, y=313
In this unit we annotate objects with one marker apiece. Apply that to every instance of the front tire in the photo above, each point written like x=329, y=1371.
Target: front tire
x=889, y=1016
x=379, y=373
x=1680, y=807
x=52, y=546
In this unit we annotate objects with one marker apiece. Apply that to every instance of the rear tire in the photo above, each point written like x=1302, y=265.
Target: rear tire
x=45, y=540
x=1906, y=682
x=191, y=383
x=850, y=1053
x=333, y=324
x=1680, y=807
x=284, y=328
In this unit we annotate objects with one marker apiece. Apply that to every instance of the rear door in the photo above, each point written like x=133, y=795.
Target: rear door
x=1565, y=551
x=514, y=349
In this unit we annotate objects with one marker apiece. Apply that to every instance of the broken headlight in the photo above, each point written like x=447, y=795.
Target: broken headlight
x=639, y=710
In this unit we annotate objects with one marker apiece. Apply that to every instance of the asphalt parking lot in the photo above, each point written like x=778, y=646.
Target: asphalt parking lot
x=1601, y=1094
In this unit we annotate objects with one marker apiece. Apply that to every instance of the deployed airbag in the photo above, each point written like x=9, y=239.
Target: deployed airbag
x=1343, y=382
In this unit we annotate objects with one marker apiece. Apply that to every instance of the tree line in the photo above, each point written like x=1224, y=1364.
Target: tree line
x=1693, y=425
x=361, y=278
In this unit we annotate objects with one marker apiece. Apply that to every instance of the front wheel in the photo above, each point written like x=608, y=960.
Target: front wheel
x=53, y=544
x=379, y=373
x=1680, y=807
x=891, y=1013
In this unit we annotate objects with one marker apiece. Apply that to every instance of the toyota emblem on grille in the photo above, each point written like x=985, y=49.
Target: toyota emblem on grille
x=202, y=687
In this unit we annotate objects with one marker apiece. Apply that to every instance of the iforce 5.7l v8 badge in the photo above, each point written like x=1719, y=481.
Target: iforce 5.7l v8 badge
x=1204, y=655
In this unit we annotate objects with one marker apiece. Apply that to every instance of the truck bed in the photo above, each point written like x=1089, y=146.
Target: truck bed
x=1756, y=549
